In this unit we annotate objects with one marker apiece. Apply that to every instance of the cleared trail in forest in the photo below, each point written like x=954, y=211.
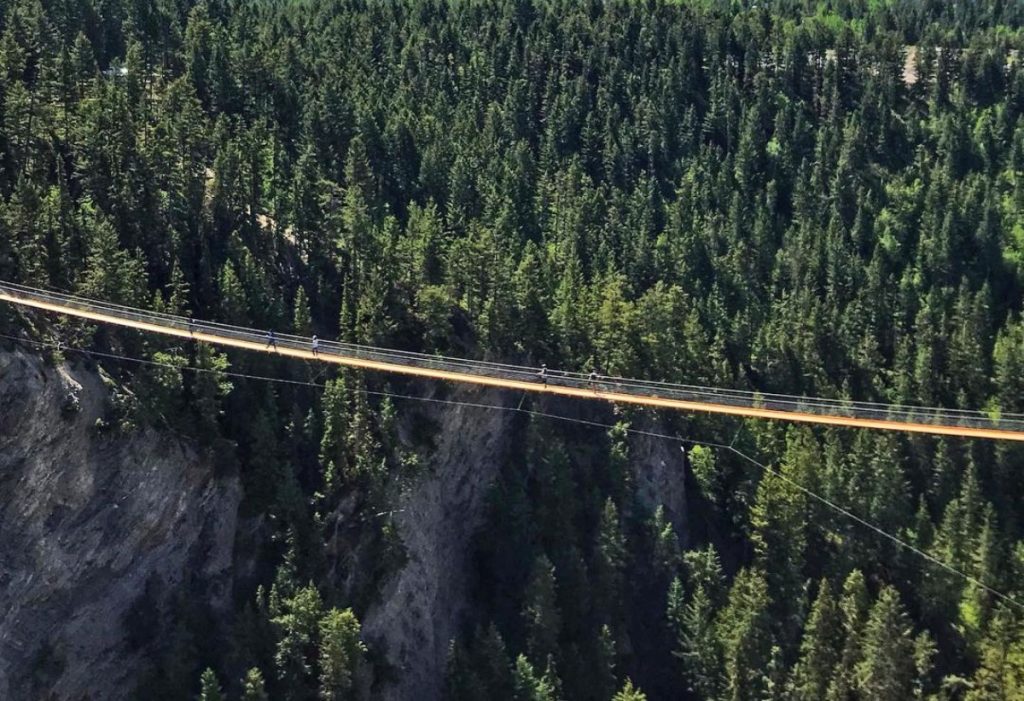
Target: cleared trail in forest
x=949, y=422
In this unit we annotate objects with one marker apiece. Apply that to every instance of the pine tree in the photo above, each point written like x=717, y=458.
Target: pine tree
x=210, y=687
x=1000, y=673
x=530, y=687
x=704, y=568
x=209, y=388
x=667, y=557
x=853, y=609
x=334, y=457
x=708, y=474
x=341, y=652
x=540, y=613
x=744, y=631
x=775, y=677
x=925, y=650
x=234, y=306
x=697, y=641
x=302, y=323
x=886, y=670
x=23, y=225
x=976, y=603
x=253, y=688
x=778, y=517
x=493, y=663
x=199, y=48
x=819, y=650
x=111, y=274
x=610, y=566
x=629, y=693
x=603, y=676
x=298, y=625
x=462, y=680
x=178, y=288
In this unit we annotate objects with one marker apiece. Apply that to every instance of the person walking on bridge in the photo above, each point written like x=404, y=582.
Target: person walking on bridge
x=315, y=346
x=543, y=374
x=271, y=340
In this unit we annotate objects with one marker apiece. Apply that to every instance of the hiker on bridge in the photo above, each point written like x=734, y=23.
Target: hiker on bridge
x=315, y=346
x=543, y=374
x=271, y=339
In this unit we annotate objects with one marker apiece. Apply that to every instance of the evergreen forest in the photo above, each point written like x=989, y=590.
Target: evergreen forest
x=803, y=197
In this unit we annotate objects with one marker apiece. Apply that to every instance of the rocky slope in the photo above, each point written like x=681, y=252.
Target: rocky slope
x=87, y=517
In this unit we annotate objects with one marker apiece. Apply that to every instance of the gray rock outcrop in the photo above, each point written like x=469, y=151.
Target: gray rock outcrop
x=86, y=519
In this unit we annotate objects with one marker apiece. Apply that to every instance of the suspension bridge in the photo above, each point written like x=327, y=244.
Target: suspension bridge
x=692, y=398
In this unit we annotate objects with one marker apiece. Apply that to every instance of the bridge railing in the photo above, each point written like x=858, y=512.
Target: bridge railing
x=645, y=388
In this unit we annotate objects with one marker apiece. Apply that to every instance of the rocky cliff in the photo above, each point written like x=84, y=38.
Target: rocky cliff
x=424, y=603
x=87, y=518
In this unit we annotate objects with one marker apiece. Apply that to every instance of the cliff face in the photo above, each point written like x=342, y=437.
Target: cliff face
x=86, y=519
x=424, y=604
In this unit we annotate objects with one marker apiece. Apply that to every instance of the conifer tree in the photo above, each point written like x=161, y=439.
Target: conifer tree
x=302, y=322
x=1000, y=673
x=298, y=625
x=462, y=680
x=341, y=652
x=210, y=687
x=629, y=693
x=494, y=663
x=853, y=609
x=531, y=687
x=746, y=639
x=540, y=613
x=819, y=650
x=698, y=645
x=886, y=669
x=610, y=565
x=253, y=688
